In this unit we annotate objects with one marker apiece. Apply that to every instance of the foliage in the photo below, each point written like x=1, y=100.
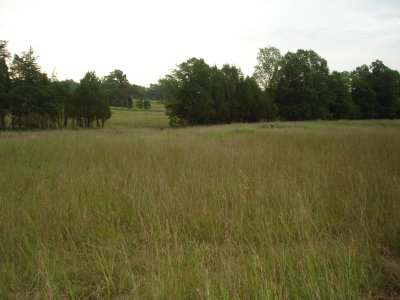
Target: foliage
x=156, y=92
x=32, y=104
x=294, y=86
x=375, y=90
x=267, y=68
x=118, y=89
x=341, y=105
x=143, y=104
x=302, y=89
x=30, y=100
x=90, y=102
x=5, y=82
x=207, y=95
x=138, y=92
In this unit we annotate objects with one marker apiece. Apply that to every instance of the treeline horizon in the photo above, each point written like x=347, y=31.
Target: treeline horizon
x=30, y=99
x=294, y=86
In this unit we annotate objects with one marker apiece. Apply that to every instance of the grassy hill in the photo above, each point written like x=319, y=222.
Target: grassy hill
x=242, y=211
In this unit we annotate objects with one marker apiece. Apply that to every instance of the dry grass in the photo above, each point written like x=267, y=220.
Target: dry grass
x=304, y=210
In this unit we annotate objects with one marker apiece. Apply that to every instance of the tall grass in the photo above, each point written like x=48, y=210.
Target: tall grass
x=227, y=212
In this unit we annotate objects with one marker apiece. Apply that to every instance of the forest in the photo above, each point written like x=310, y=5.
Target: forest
x=294, y=86
x=30, y=99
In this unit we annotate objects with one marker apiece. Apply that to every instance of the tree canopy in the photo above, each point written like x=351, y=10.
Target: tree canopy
x=302, y=87
x=29, y=99
x=294, y=86
x=118, y=89
x=207, y=95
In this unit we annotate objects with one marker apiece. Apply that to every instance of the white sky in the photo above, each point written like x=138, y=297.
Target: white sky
x=148, y=38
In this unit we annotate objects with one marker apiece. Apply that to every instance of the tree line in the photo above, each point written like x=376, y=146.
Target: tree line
x=201, y=94
x=30, y=99
x=294, y=86
x=121, y=93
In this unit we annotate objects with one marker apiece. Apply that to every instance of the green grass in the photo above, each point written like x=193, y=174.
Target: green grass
x=305, y=210
x=124, y=119
x=156, y=106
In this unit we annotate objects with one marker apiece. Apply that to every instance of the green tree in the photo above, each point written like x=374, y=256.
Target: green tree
x=233, y=80
x=385, y=83
x=118, y=89
x=156, y=92
x=90, y=102
x=341, y=105
x=139, y=103
x=363, y=94
x=190, y=85
x=5, y=83
x=62, y=93
x=268, y=107
x=138, y=92
x=219, y=95
x=146, y=104
x=207, y=95
x=250, y=99
x=302, y=90
x=32, y=105
x=267, y=69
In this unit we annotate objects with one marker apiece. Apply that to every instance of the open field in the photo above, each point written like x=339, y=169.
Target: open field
x=307, y=210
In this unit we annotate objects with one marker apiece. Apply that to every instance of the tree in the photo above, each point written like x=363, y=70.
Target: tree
x=190, y=85
x=385, y=83
x=341, y=105
x=207, y=95
x=90, y=102
x=266, y=70
x=363, y=94
x=62, y=93
x=138, y=92
x=375, y=91
x=218, y=95
x=249, y=100
x=31, y=103
x=118, y=89
x=143, y=104
x=268, y=106
x=302, y=88
x=156, y=92
x=139, y=103
x=233, y=79
x=146, y=104
x=5, y=83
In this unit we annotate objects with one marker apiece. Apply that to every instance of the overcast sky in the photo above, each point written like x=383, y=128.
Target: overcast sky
x=148, y=38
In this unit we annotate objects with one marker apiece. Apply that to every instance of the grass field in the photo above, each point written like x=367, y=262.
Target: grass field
x=307, y=210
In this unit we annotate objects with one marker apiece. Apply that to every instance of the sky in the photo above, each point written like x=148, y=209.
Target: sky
x=147, y=39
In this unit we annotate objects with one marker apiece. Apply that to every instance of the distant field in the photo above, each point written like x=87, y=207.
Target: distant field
x=307, y=210
x=155, y=106
x=128, y=119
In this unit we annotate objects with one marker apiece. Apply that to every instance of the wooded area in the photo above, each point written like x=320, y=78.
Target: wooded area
x=30, y=99
x=294, y=86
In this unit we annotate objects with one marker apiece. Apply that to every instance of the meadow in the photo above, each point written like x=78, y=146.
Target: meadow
x=136, y=210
